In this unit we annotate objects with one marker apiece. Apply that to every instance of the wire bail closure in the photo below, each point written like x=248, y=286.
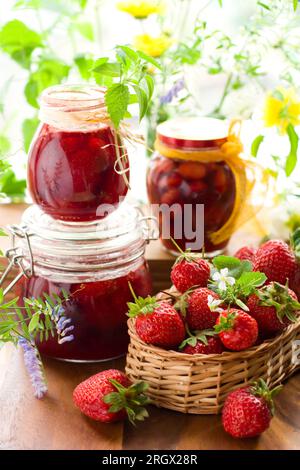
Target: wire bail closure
x=16, y=257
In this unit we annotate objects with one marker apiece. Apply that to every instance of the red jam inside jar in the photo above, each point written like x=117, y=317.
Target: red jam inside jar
x=94, y=264
x=190, y=182
x=74, y=156
x=98, y=312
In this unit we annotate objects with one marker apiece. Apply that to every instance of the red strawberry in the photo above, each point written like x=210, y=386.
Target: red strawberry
x=109, y=396
x=237, y=329
x=157, y=322
x=194, y=306
x=246, y=253
x=248, y=411
x=200, y=344
x=276, y=260
x=189, y=270
x=274, y=308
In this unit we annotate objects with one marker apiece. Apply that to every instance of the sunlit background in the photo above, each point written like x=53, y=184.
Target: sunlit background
x=249, y=47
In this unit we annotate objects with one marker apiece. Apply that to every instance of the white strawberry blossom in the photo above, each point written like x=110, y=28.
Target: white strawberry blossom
x=213, y=304
x=222, y=279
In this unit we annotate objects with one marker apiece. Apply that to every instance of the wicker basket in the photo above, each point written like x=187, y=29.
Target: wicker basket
x=199, y=383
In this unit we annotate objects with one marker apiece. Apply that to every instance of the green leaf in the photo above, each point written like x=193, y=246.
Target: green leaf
x=85, y=28
x=222, y=261
x=33, y=324
x=31, y=92
x=2, y=234
x=256, y=144
x=291, y=160
x=50, y=72
x=149, y=59
x=129, y=52
x=29, y=127
x=248, y=280
x=85, y=65
x=264, y=5
x=17, y=40
x=4, y=145
x=295, y=4
x=142, y=100
x=111, y=69
x=117, y=100
x=150, y=84
x=11, y=186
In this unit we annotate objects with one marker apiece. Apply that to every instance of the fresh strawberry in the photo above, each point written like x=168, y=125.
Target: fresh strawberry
x=109, y=396
x=246, y=253
x=157, y=322
x=248, y=411
x=276, y=260
x=274, y=307
x=202, y=342
x=189, y=270
x=194, y=306
x=237, y=329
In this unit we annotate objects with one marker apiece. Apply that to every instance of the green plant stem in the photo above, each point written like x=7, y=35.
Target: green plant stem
x=217, y=110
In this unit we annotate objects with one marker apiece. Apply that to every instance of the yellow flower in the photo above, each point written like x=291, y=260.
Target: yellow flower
x=282, y=107
x=153, y=46
x=141, y=8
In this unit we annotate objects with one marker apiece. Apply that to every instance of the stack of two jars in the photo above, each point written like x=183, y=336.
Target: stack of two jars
x=84, y=238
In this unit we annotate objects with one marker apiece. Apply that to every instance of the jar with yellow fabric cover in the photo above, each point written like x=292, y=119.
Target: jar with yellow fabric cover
x=198, y=162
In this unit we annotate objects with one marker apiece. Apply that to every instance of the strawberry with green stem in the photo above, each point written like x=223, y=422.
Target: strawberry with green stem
x=190, y=269
x=248, y=411
x=274, y=307
x=110, y=396
x=236, y=329
x=157, y=321
x=200, y=307
x=201, y=342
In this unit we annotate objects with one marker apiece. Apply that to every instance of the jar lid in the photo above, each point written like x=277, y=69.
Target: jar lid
x=62, y=250
x=193, y=132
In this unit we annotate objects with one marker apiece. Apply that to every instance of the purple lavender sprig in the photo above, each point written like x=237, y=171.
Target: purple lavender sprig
x=173, y=92
x=62, y=324
x=34, y=367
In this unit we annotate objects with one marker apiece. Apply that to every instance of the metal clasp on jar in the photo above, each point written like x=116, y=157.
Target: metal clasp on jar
x=16, y=257
x=150, y=225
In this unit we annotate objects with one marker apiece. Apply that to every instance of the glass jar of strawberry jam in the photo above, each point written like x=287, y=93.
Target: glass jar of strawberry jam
x=196, y=165
x=94, y=264
x=77, y=162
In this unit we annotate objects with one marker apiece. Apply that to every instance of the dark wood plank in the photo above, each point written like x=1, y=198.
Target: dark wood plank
x=54, y=423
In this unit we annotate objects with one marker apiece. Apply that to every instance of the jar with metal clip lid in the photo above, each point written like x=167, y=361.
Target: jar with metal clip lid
x=77, y=161
x=94, y=264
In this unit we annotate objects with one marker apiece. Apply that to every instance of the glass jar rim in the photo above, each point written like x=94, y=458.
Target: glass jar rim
x=192, y=132
x=62, y=250
x=73, y=97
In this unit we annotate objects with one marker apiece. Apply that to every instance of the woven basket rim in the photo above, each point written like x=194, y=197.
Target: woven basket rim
x=224, y=356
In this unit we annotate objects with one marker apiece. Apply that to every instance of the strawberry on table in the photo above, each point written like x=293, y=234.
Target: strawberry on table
x=202, y=342
x=237, y=329
x=189, y=270
x=276, y=260
x=157, y=322
x=274, y=307
x=248, y=411
x=110, y=396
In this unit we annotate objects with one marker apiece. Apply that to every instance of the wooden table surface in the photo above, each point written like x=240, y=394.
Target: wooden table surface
x=54, y=423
